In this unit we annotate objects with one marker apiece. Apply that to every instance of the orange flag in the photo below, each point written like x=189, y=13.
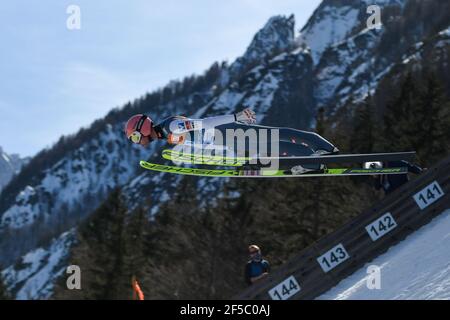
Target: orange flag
x=137, y=292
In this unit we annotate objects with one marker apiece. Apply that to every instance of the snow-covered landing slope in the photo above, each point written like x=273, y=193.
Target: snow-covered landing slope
x=417, y=268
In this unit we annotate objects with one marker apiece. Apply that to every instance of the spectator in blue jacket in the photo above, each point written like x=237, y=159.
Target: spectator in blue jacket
x=256, y=268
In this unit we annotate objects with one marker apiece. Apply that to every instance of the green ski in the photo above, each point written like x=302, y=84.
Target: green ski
x=194, y=158
x=206, y=159
x=268, y=173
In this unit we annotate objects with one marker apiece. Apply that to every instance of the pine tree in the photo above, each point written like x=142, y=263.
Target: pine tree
x=417, y=119
x=402, y=119
x=340, y=126
x=435, y=106
x=228, y=242
x=4, y=293
x=100, y=253
x=320, y=121
x=135, y=262
x=364, y=129
x=175, y=247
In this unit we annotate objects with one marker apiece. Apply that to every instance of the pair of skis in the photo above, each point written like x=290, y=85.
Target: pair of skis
x=239, y=164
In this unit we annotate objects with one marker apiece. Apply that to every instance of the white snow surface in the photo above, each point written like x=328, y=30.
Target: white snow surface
x=418, y=268
x=262, y=100
x=9, y=166
x=333, y=28
x=333, y=23
x=353, y=63
x=445, y=32
x=276, y=35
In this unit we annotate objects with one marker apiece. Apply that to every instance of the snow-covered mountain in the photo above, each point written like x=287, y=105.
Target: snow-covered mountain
x=39, y=269
x=336, y=20
x=283, y=78
x=276, y=36
x=9, y=166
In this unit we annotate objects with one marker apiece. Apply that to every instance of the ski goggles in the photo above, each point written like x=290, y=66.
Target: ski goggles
x=136, y=137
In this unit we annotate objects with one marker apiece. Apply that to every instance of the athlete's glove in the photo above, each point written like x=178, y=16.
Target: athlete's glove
x=247, y=116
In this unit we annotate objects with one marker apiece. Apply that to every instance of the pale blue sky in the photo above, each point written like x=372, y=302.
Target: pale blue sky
x=54, y=81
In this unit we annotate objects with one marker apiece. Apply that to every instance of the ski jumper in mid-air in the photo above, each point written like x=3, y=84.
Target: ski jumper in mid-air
x=178, y=130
